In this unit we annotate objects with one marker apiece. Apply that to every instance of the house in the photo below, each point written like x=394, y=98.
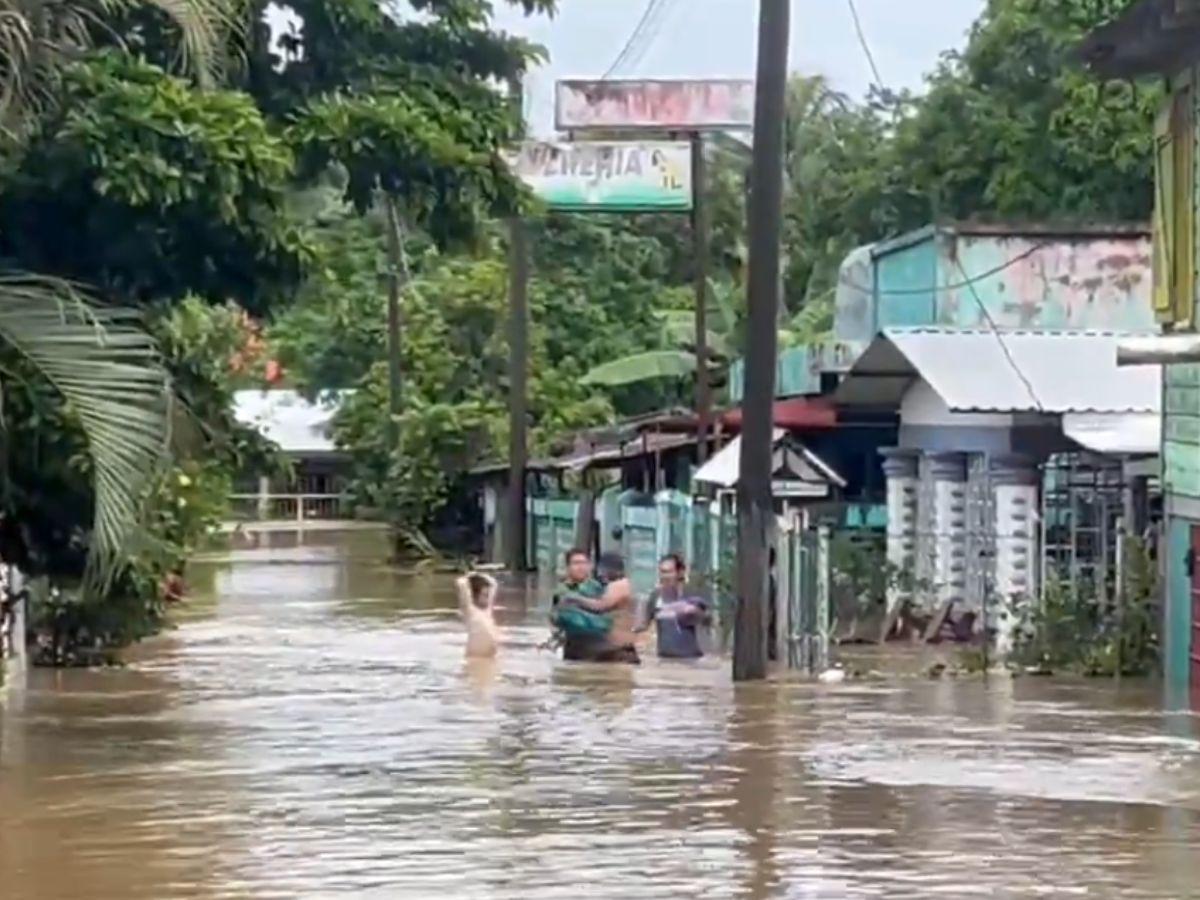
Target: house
x=302, y=430
x=1161, y=38
x=799, y=478
x=571, y=497
x=956, y=276
x=996, y=428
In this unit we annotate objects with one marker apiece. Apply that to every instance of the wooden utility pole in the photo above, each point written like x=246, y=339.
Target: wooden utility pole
x=755, y=511
x=700, y=251
x=518, y=372
x=395, y=239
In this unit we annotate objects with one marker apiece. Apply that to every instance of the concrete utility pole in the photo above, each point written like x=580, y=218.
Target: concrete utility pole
x=755, y=510
x=395, y=243
x=518, y=374
x=700, y=246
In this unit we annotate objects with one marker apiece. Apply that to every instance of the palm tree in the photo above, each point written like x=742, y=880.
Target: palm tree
x=107, y=371
x=39, y=38
x=99, y=359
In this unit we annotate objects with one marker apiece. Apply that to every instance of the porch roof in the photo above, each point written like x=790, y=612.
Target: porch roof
x=1002, y=372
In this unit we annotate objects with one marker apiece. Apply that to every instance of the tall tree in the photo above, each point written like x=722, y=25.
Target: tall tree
x=1012, y=128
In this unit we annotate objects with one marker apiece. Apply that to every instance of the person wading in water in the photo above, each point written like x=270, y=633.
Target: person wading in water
x=605, y=630
x=676, y=616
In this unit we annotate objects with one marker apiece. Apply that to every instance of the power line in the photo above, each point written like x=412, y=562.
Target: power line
x=1004, y=348
x=862, y=42
x=636, y=37
x=967, y=282
x=970, y=282
x=651, y=34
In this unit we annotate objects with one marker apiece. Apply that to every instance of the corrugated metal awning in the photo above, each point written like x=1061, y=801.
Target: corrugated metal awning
x=1117, y=434
x=1007, y=372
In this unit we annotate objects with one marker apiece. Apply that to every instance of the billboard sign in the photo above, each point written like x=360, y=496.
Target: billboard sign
x=721, y=105
x=608, y=176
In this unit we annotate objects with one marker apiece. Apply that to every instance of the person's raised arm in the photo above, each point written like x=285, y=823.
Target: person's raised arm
x=463, y=587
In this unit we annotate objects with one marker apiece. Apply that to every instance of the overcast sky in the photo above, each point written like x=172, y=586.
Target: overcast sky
x=716, y=38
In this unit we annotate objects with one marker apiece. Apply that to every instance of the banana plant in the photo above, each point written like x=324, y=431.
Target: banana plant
x=676, y=357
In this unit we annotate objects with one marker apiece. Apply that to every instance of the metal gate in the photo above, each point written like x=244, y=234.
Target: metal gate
x=802, y=555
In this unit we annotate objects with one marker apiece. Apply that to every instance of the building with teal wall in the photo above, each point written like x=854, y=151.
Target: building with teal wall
x=1161, y=39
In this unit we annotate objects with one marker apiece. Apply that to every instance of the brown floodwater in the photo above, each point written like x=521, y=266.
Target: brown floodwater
x=312, y=730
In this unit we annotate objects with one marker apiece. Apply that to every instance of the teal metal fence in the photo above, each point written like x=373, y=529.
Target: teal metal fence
x=552, y=527
x=707, y=539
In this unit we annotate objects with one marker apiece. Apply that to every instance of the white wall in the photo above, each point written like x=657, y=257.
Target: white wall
x=923, y=406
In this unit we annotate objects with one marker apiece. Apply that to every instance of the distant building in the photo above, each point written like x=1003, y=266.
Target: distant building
x=302, y=430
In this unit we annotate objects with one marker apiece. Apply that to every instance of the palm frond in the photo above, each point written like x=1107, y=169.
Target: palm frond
x=642, y=367
x=204, y=28
x=108, y=371
x=40, y=38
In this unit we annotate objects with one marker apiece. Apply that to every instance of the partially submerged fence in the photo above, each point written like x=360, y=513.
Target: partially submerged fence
x=298, y=508
x=643, y=530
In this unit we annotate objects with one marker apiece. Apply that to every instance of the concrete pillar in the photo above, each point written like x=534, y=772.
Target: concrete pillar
x=264, y=497
x=900, y=468
x=1015, y=481
x=948, y=473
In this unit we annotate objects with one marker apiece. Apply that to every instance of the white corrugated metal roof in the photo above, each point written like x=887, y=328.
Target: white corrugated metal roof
x=288, y=419
x=1115, y=433
x=723, y=469
x=1010, y=371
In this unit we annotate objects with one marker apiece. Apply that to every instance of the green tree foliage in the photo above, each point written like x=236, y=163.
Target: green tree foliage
x=1009, y=128
x=1013, y=128
x=150, y=189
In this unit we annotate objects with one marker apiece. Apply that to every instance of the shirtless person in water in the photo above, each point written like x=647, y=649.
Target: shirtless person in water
x=618, y=602
x=476, y=602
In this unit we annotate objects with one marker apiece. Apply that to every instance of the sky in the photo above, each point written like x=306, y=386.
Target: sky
x=716, y=38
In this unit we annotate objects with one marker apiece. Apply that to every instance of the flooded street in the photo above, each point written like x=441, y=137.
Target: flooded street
x=311, y=730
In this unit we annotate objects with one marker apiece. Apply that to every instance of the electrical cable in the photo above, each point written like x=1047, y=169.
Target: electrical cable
x=983, y=276
x=636, y=36
x=1004, y=348
x=862, y=42
x=650, y=35
x=968, y=282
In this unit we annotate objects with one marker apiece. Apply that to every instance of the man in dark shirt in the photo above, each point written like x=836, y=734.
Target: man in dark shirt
x=676, y=617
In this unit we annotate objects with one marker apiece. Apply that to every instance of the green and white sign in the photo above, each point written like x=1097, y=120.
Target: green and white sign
x=608, y=176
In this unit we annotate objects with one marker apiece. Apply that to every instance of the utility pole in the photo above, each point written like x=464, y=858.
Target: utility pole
x=700, y=248
x=755, y=509
x=395, y=246
x=518, y=372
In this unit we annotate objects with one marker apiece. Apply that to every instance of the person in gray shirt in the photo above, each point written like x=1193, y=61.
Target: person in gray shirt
x=676, y=616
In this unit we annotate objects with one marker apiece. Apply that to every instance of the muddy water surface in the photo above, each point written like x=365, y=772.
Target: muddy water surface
x=311, y=730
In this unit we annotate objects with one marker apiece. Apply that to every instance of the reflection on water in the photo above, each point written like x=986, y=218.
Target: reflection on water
x=312, y=730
